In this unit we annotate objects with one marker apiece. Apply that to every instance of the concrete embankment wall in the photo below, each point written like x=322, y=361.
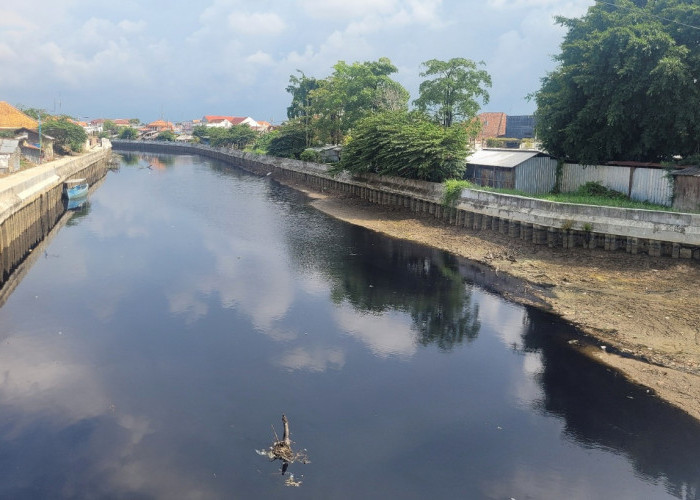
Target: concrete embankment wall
x=31, y=203
x=563, y=225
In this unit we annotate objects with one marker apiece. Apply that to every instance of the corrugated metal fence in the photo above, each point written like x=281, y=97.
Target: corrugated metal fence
x=639, y=183
x=536, y=175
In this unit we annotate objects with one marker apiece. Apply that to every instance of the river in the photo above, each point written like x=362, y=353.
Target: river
x=157, y=340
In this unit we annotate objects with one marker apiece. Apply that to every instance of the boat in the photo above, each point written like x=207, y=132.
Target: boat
x=76, y=188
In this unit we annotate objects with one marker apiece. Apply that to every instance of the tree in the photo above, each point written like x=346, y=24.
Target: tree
x=110, y=127
x=166, y=135
x=626, y=84
x=408, y=145
x=351, y=93
x=128, y=133
x=67, y=135
x=35, y=113
x=289, y=140
x=300, y=87
x=452, y=95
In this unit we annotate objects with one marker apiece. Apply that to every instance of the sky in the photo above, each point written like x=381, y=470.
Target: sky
x=183, y=59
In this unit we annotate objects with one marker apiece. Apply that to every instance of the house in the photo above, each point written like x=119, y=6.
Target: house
x=263, y=126
x=159, y=126
x=228, y=121
x=9, y=155
x=492, y=125
x=32, y=147
x=13, y=118
x=526, y=171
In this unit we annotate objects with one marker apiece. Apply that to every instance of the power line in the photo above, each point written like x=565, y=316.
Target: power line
x=650, y=14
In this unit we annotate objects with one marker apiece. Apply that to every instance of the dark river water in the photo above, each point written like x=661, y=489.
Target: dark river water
x=162, y=332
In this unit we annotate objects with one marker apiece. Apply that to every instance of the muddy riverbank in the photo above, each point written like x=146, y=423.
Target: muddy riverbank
x=644, y=312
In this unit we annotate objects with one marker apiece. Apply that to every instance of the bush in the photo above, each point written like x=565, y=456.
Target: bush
x=310, y=155
x=452, y=190
x=597, y=189
x=289, y=142
x=406, y=145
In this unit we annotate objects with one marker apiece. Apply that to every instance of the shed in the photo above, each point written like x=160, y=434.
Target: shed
x=9, y=155
x=29, y=141
x=523, y=170
x=686, y=189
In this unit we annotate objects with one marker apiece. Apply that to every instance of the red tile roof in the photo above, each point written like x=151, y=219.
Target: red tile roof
x=11, y=117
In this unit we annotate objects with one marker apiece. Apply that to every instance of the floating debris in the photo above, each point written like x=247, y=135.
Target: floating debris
x=281, y=449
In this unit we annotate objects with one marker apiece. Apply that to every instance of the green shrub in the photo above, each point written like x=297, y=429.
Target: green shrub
x=310, y=155
x=453, y=190
x=597, y=189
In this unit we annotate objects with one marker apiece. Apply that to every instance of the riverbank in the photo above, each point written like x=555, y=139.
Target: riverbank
x=645, y=308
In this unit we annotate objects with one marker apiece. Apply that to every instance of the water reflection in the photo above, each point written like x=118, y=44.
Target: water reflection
x=603, y=410
x=149, y=360
x=376, y=275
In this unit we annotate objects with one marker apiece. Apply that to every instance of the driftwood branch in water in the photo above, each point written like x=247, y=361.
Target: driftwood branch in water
x=285, y=436
x=281, y=449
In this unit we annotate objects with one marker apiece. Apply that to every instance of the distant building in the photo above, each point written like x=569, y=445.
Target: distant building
x=159, y=126
x=520, y=126
x=10, y=154
x=492, y=125
x=228, y=121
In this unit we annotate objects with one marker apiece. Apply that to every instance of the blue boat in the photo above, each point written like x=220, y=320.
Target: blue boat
x=76, y=188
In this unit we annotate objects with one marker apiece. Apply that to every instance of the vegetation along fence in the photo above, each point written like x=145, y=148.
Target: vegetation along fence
x=542, y=222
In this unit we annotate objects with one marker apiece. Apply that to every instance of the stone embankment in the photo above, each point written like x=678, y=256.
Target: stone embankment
x=31, y=202
x=556, y=225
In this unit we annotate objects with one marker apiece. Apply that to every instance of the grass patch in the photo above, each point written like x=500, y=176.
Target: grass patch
x=591, y=193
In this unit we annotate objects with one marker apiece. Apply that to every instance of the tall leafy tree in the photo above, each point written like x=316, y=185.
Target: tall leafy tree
x=626, y=85
x=351, y=93
x=453, y=94
x=300, y=87
x=67, y=136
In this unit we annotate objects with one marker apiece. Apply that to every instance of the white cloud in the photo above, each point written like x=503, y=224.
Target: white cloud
x=258, y=24
x=344, y=9
x=387, y=334
x=260, y=58
x=312, y=359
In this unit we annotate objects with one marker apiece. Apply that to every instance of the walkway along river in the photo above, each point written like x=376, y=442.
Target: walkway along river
x=162, y=331
x=641, y=306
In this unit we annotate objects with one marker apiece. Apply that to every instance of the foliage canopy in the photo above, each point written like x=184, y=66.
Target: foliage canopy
x=352, y=92
x=626, y=86
x=67, y=135
x=452, y=95
x=406, y=145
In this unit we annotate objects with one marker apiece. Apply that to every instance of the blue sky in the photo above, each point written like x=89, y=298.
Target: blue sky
x=182, y=59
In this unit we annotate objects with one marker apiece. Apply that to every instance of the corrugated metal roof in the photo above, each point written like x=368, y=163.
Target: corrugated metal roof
x=501, y=157
x=8, y=146
x=693, y=171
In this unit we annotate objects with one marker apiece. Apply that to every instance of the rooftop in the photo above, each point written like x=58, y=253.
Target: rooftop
x=11, y=117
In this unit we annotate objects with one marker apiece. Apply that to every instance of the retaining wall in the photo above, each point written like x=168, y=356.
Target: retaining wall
x=31, y=202
x=564, y=225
